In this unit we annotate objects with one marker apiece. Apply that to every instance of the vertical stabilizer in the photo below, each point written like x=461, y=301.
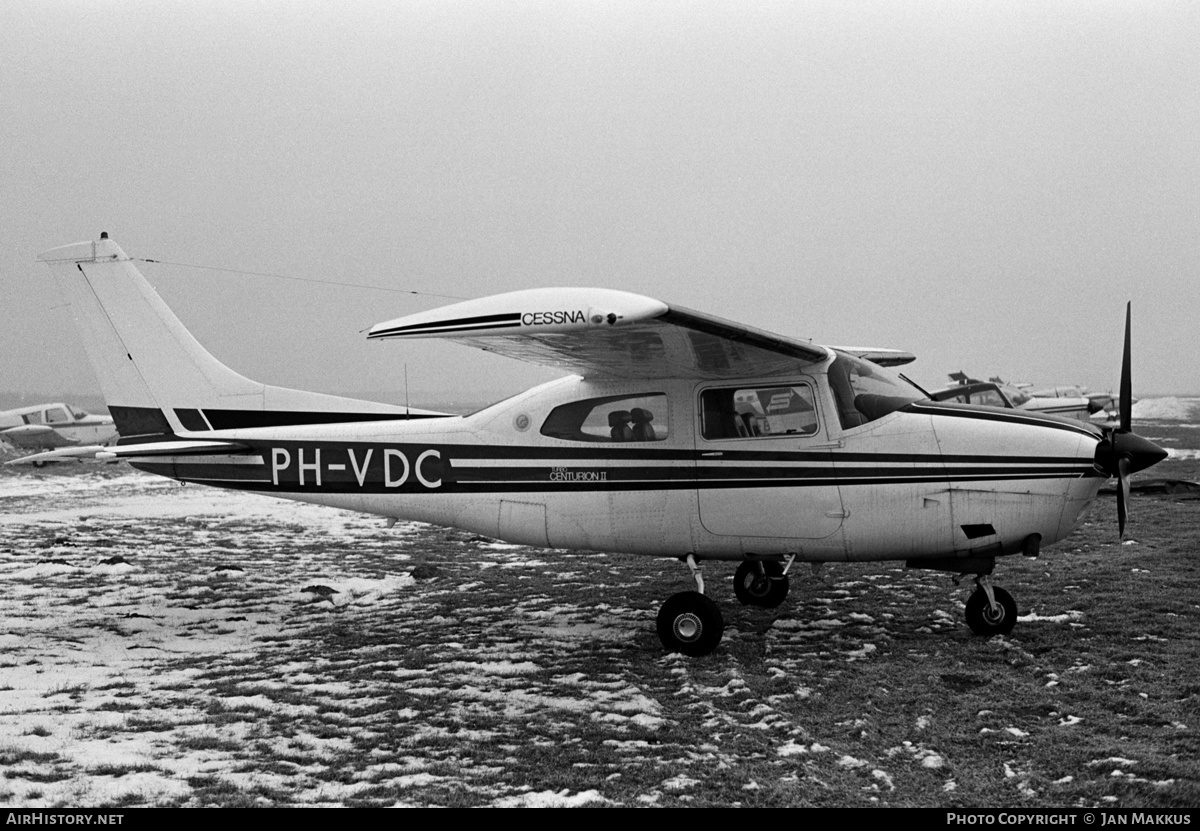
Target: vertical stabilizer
x=156, y=377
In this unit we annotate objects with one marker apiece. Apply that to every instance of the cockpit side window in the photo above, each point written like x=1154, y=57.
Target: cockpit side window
x=990, y=398
x=865, y=391
x=57, y=415
x=750, y=412
x=614, y=418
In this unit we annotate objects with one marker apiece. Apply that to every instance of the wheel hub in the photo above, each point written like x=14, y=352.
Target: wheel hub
x=688, y=627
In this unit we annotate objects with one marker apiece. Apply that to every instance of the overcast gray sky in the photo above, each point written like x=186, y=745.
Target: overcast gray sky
x=983, y=184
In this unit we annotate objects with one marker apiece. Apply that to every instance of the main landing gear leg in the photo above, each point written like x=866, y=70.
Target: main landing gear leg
x=990, y=609
x=689, y=622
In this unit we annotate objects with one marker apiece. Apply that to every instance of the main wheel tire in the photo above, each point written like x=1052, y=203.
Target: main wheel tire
x=766, y=587
x=986, y=621
x=690, y=623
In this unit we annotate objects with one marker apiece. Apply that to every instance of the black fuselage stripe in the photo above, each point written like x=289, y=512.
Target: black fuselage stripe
x=598, y=454
x=501, y=480
x=1001, y=415
x=250, y=419
x=480, y=488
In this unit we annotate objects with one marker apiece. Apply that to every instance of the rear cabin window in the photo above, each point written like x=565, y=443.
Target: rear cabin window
x=750, y=412
x=616, y=418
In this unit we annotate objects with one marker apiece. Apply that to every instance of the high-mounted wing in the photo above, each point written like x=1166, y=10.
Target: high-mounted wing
x=607, y=333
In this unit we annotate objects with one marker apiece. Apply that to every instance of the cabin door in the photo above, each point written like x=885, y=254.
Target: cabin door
x=764, y=465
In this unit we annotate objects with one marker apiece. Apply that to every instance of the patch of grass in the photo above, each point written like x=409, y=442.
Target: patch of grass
x=212, y=743
x=10, y=756
x=126, y=706
x=130, y=799
x=38, y=775
x=135, y=724
x=74, y=691
x=118, y=771
x=210, y=791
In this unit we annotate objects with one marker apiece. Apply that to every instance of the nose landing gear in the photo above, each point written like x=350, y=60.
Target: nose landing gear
x=759, y=583
x=990, y=609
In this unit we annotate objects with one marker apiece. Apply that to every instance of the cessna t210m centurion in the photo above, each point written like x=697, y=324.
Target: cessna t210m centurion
x=678, y=434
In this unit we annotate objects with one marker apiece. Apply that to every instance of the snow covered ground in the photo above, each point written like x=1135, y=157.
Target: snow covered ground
x=174, y=645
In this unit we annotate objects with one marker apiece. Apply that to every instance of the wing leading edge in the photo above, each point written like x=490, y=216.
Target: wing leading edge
x=603, y=332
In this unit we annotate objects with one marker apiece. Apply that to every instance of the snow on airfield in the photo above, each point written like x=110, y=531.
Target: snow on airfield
x=1167, y=408
x=190, y=646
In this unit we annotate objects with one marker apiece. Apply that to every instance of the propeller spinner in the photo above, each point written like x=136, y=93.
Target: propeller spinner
x=1123, y=451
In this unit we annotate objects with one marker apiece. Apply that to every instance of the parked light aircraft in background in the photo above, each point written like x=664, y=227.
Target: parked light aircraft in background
x=1101, y=405
x=679, y=435
x=53, y=426
x=996, y=393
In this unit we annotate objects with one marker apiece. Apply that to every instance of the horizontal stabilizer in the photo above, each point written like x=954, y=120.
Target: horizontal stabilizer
x=172, y=448
x=110, y=453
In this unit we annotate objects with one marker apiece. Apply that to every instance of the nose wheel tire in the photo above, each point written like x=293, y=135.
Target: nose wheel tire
x=760, y=584
x=690, y=623
x=987, y=621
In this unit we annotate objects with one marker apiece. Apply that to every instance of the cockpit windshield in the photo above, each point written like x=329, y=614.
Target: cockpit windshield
x=1015, y=395
x=865, y=391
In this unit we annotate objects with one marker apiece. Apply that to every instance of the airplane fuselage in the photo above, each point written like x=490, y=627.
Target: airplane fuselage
x=929, y=480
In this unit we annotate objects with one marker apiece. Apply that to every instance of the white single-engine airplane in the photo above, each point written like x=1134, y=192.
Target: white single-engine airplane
x=55, y=427
x=679, y=435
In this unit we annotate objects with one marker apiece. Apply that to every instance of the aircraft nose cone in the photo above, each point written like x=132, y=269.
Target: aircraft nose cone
x=1139, y=452
x=1142, y=453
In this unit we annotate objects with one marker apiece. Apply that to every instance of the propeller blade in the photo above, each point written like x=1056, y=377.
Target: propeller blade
x=1123, y=452
x=1126, y=403
x=1122, y=494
